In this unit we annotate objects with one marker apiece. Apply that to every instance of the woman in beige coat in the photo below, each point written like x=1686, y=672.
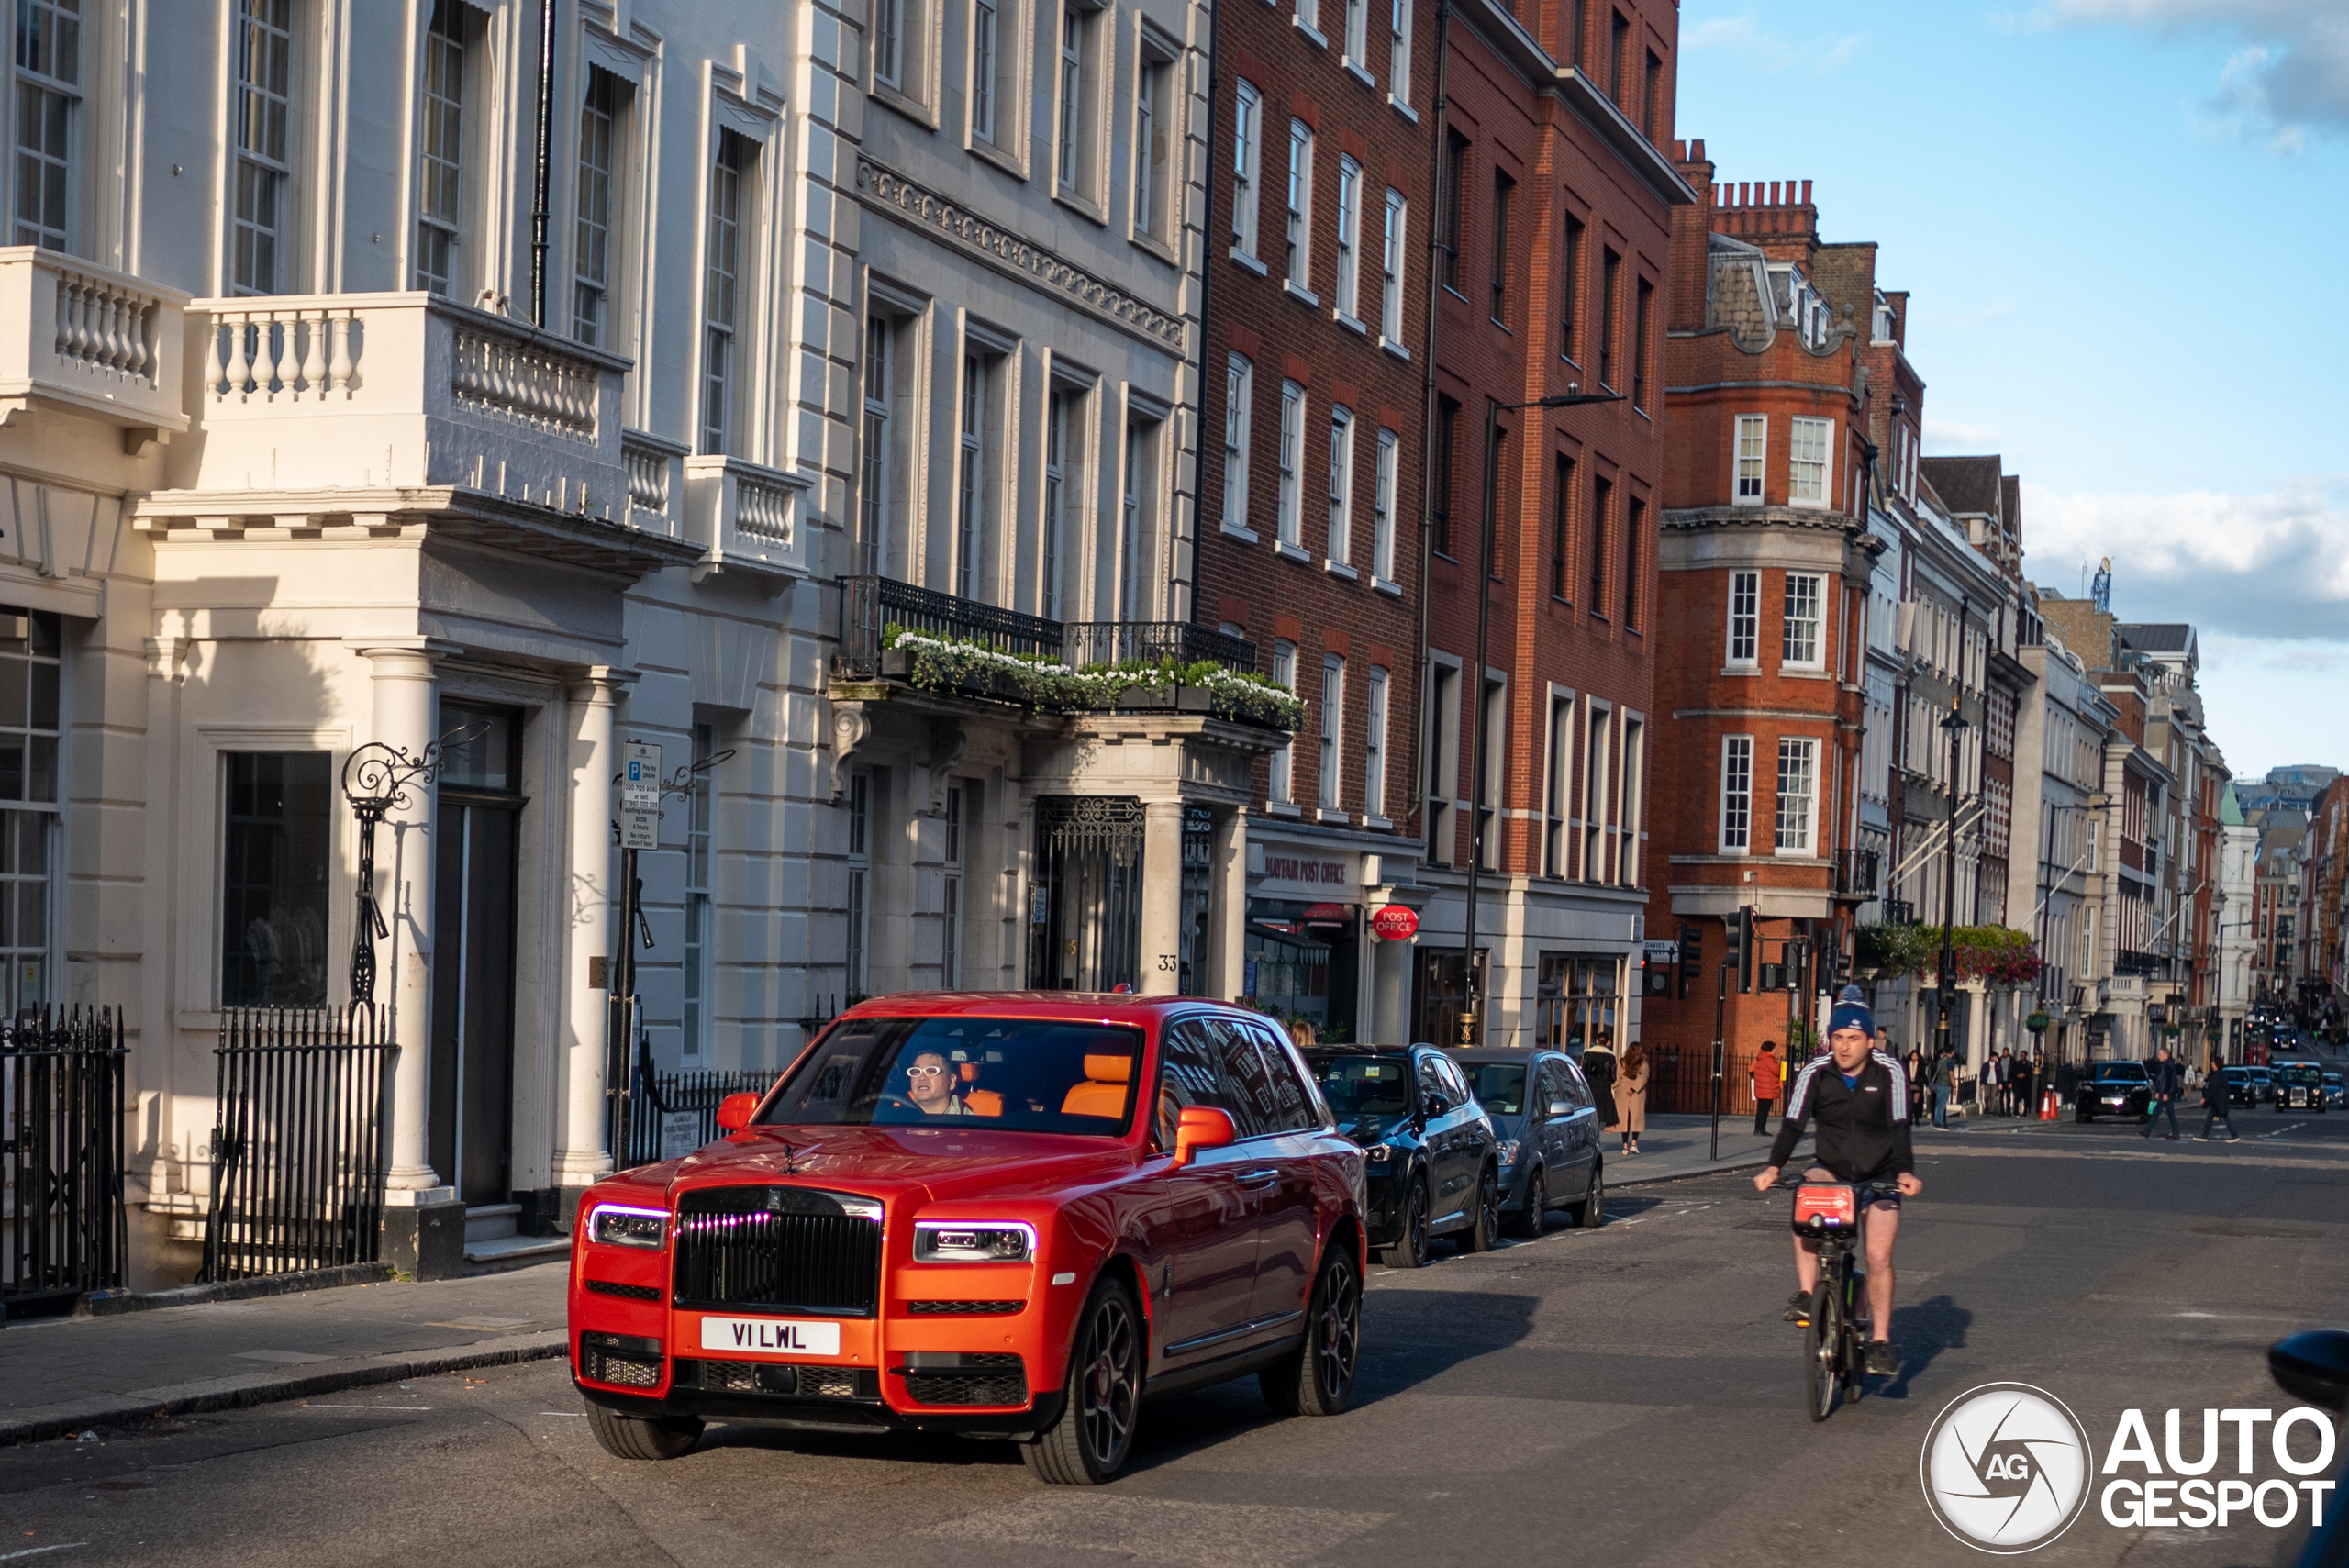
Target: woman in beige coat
x=1632, y=1098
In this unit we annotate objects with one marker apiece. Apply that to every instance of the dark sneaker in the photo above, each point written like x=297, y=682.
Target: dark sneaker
x=1882, y=1363
x=1798, y=1308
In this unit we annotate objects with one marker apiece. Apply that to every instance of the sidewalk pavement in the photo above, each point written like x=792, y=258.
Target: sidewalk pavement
x=1675, y=1146
x=64, y=1375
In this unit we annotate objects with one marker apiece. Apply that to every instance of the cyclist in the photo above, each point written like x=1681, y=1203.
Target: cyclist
x=1860, y=1096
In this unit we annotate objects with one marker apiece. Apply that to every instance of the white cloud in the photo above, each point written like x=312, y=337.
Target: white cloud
x=2263, y=566
x=2289, y=76
x=1766, y=51
x=1944, y=437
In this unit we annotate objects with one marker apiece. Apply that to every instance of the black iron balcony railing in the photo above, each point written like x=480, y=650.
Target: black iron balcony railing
x=1088, y=642
x=1899, y=912
x=2145, y=963
x=1856, y=873
x=871, y=605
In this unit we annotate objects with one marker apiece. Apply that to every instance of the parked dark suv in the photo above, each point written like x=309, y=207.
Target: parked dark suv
x=1548, y=1126
x=1434, y=1166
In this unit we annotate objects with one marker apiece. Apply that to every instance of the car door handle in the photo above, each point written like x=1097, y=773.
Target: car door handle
x=1260, y=1178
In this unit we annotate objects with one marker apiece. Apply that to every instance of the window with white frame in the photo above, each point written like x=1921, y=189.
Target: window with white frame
x=276, y=848
x=1808, y=441
x=1374, y=746
x=1440, y=724
x=1398, y=51
x=440, y=151
x=1357, y=38
x=1060, y=430
x=1300, y=205
x=700, y=932
x=1309, y=13
x=974, y=478
x=880, y=456
x=1138, y=530
x=855, y=983
x=1349, y=238
x=1597, y=752
x=1247, y=147
x=1238, y=390
x=1080, y=100
x=1334, y=729
x=950, y=931
x=1744, y=618
x=1631, y=810
x=890, y=42
x=1802, y=646
x=1154, y=185
x=1798, y=795
x=1492, y=739
x=1390, y=283
x=1341, y=485
x=722, y=293
x=592, y=224
x=1280, y=792
x=1737, y=795
x=995, y=86
x=264, y=102
x=1557, y=793
x=1382, y=514
x=1292, y=455
x=1753, y=453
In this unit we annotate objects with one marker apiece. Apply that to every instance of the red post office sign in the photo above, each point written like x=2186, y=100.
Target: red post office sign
x=1394, y=923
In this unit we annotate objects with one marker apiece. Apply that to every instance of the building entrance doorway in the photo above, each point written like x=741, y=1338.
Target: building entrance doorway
x=1085, y=929
x=478, y=844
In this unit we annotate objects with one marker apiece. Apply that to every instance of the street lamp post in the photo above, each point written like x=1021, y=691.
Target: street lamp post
x=1947, y=988
x=1472, y=1015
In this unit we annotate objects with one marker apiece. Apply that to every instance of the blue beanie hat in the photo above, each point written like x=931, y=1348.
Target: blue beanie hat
x=1852, y=1013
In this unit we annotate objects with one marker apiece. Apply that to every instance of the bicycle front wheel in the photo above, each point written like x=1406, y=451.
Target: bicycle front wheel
x=1821, y=1344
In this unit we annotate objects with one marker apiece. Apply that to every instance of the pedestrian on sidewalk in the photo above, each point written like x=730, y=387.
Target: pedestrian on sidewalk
x=1916, y=1080
x=1631, y=1097
x=1944, y=1085
x=2216, y=1102
x=2005, y=1080
x=1598, y=1070
x=2024, y=1082
x=2168, y=1081
x=1768, y=1067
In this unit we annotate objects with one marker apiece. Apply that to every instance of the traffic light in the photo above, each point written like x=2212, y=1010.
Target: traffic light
x=1692, y=957
x=1741, y=956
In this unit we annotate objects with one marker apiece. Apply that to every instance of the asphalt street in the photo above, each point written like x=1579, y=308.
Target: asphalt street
x=1626, y=1395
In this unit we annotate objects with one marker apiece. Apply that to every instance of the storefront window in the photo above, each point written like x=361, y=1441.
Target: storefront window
x=1438, y=991
x=1577, y=996
x=1292, y=964
x=274, y=907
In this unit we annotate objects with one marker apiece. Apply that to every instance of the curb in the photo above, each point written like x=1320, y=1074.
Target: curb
x=41, y=1422
x=110, y=1303
x=1746, y=1162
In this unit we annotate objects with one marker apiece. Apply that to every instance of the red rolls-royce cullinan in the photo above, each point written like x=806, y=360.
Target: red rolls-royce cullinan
x=1013, y=1214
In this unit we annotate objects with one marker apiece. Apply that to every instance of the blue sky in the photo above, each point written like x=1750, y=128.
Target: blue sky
x=2123, y=223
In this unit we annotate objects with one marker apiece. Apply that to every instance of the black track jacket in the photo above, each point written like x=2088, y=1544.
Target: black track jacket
x=1863, y=1127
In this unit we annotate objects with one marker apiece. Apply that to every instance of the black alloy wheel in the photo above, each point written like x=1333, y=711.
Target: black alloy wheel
x=1486, y=1233
x=1591, y=1212
x=1094, y=1435
x=1411, y=1251
x=1318, y=1377
x=1822, y=1339
x=642, y=1438
x=1534, y=1218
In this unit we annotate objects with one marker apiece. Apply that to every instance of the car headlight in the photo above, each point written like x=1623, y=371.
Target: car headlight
x=1508, y=1152
x=974, y=1241
x=620, y=1225
x=1377, y=1153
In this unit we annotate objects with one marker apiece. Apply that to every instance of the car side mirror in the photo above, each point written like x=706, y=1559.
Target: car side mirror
x=734, y=1112
x=1202, y=1127
x=2313, y=1366
x=1561, y=1107
x=1438, y=1104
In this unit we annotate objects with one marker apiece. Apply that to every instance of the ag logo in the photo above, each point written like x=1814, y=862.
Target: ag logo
x=2006, y=1468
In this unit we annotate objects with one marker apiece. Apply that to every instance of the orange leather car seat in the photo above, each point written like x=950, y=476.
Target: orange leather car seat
x=1103, y=1093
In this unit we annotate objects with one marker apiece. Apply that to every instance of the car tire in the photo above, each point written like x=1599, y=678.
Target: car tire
x=1591, y=1212
x=1094, y=1435
x=1318, y=1377
x=1411, y=1251
x=642, y=1437
x=1534, y=1218
x=2082, y=1116
x=1484, y=1231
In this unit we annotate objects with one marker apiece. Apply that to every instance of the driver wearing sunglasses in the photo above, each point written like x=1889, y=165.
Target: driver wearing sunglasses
x=930, y=1086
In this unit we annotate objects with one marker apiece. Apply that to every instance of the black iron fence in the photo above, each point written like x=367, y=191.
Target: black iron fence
x=666, y=1115
x=870, y=605
x=1087, y=642
x=298, y=1133
x=1856, y=873
x=1681, y=1082
x=63, y=1229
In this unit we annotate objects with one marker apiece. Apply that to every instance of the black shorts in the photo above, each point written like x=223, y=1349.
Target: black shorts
x=1878, y=1189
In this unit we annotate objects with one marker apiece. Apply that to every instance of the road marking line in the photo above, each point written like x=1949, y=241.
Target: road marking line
x=36, y=1550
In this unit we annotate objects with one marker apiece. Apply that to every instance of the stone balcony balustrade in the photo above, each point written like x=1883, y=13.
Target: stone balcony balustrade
x=82, y=338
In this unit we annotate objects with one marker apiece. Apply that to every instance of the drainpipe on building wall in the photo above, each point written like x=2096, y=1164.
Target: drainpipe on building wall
x=1427, y=430
x=1175, y=580
x=543, y=176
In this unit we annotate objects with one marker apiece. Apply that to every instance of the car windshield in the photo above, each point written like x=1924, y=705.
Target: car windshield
x=2133, y=1071
x=1363, y=1085
x=2302, y=1073
x=1499, y=1087
x=1034, y=1075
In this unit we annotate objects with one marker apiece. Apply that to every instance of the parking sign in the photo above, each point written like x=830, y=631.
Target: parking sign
x=640, y=799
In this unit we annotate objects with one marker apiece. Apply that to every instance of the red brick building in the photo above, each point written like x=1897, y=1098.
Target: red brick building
x=1556, y=198
x=1311, y=506
x=1767, y=567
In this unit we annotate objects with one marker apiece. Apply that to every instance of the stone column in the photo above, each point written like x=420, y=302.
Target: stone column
x=593, y=881
x=424, y=1220
x=1226, y=943
x=1390, y=990
x=1161, y=898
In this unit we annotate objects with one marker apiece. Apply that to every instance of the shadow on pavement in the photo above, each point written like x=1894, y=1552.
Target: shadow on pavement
x=1921, y=1332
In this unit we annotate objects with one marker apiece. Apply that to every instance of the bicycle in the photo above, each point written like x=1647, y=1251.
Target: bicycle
x=1836, y=1340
